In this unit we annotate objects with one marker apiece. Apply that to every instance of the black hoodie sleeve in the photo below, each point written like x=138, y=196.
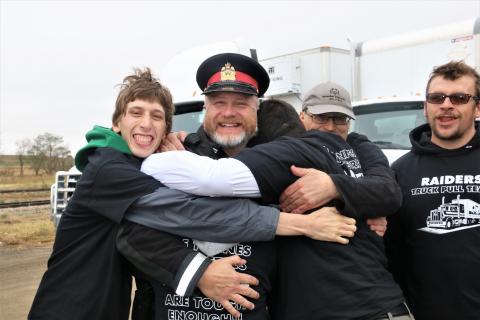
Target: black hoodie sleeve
x=395, y=249
x=376, y=194
x=162, y=257
x=114, y=181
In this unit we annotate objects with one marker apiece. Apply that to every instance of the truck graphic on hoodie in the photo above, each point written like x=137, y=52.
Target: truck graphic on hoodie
x=457, y=213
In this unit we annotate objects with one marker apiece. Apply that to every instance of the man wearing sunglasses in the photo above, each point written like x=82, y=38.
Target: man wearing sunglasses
x=327, y=108
x=432, y=242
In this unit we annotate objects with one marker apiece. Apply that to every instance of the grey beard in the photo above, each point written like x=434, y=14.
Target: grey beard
x=227, y=142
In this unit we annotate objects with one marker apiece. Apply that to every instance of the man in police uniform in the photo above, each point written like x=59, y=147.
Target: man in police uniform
x=232, y=84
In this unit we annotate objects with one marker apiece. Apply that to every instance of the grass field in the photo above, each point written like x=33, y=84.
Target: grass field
x=29, y=225
x=26, y=182
x=26, y=226
x=10, y=175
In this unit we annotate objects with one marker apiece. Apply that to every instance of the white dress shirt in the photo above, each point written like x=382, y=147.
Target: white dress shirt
x=191, y=173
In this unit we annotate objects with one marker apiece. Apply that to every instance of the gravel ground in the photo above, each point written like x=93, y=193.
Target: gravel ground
x=21, y=269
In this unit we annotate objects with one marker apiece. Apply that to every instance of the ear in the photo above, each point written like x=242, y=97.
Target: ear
x=116, y=128
x=162, y=139
x=425, y=109
x=303, y=117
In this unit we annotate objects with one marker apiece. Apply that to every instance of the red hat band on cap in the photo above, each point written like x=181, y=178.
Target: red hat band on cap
x=228, y=73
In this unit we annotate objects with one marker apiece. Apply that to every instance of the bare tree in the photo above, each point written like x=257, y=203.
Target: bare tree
x=37, y=154
x=63, y=159
x=49, y=153
x=22, y=150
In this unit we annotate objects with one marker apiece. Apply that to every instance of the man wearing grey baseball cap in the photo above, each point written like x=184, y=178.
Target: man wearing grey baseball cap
x=327, y=107
x=328, y=97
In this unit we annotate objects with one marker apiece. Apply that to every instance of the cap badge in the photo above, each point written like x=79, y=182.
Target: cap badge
x=334, y=95
x=227, y=72
x=334, y=91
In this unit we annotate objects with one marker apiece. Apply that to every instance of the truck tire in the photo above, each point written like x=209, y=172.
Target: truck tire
x=449, y=224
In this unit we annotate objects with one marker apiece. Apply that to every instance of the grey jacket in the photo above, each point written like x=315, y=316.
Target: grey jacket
x=204, y=218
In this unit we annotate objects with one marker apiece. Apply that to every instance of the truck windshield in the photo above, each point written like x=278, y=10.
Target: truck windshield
x=188, y=116
x=189, y=122
x=388, y=124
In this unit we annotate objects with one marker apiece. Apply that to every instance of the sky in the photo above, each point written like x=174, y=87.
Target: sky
x=61, y=61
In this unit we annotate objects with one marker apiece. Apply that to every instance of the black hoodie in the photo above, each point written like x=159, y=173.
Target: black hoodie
x=433, y=242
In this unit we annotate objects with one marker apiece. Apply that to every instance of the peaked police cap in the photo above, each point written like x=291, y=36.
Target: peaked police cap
x=232, y=72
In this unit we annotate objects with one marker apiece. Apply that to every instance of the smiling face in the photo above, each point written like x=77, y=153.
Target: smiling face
x=452, y=125
x=310, y=123
x=230, y=119
x=142, y=126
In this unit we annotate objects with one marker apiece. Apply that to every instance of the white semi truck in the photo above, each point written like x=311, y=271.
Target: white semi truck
x=457, y=213
x=293, y=74
x=387, y=77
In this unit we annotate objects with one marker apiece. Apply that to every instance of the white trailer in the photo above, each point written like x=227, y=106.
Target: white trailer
x=387, y=77
x=390, y=77
x=293, y=74
x=399, y=66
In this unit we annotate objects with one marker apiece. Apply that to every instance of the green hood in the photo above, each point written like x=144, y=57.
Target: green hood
x=100, y=137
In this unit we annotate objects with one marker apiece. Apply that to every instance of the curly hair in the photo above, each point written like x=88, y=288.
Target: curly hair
x=452, y=71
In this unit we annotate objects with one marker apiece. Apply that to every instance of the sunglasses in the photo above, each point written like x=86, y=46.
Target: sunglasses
x=455, y=98
x=323, y=119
